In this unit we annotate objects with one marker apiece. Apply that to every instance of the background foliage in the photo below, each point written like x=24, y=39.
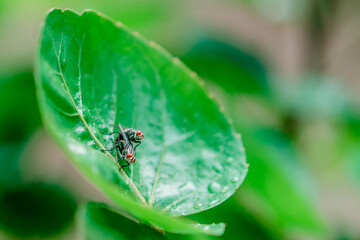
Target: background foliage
x=285, y=73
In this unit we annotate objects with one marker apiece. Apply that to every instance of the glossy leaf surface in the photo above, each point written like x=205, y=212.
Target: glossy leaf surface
x=153, y=217
x=93, y=73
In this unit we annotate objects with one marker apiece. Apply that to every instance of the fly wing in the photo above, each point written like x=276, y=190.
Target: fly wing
x=124, y=135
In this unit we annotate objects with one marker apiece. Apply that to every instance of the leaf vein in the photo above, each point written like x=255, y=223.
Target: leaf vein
x=58, y=56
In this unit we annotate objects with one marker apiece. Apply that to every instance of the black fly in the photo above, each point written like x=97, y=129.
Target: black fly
x=124, y=143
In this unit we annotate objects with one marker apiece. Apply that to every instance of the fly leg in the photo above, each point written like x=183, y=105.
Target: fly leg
x=127, y=164
x=115, y=146
x=122, y=157
x=138, y=143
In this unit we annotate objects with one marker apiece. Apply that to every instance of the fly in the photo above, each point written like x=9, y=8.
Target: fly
x=124, y=143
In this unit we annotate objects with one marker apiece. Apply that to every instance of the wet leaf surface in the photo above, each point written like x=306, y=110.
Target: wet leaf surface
x=93, y=73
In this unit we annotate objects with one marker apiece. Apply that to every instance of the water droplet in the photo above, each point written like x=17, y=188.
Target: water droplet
x=214, y=187
x=235, y=180
x=229, y=160
x=212, y=203
x=77, y=96
x=86, y=113
x=196, y=198
x=187, y=187
x=197, y=206
x=224, y=189
x=80, y=129
x=217, y=167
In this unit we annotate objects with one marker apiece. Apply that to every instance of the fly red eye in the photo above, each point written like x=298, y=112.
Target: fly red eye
x=138, y=133
x=129, y=155
x=134, y=160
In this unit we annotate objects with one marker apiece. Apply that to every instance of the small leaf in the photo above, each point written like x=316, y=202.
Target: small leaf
x=93, y=73
x=99, y=221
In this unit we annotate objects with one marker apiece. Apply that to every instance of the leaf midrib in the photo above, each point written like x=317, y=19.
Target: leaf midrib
x=79, y=113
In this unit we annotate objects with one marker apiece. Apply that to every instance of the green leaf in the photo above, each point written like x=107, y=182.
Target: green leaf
x=153, y=217
x=99, y=221
x=36, y=210
x=278, y=179
x=92, y=73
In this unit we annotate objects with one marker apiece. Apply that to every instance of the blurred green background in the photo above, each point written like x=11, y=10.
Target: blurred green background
x=286, y=72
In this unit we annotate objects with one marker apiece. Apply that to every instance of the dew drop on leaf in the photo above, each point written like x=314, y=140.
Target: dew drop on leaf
x=217, y=167
x=235, y=180
x=90, y=143
x=212, y=203
x=214, y=187
x=198, y=206
x=224, y=189
x=229, y=160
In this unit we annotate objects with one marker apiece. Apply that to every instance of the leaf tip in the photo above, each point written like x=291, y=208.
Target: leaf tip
x=89, y=11
x=52, y=11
